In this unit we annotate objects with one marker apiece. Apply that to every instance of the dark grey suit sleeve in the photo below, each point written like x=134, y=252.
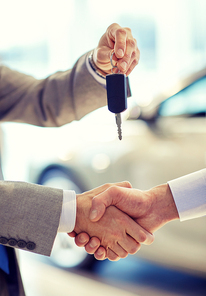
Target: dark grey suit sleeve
x=54, y=101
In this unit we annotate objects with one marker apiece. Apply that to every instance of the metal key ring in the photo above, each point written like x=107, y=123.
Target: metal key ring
x=113, y=67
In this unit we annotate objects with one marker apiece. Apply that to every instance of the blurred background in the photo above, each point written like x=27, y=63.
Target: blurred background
x=164, y=135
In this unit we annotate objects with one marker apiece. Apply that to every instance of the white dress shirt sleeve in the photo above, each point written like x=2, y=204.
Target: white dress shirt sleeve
x=189, y=193
x=98, y=78
x=68, y=214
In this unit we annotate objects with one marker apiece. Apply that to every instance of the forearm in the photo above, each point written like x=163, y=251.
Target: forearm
x=163, y=205
x=54, y=101
x=183, y=198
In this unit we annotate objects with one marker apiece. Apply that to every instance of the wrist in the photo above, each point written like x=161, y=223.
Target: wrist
x=163, y=203
x=93, y=65
x=83, y=205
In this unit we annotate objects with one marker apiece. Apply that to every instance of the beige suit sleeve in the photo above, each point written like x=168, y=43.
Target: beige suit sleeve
x=54, y=101
x=29, y=213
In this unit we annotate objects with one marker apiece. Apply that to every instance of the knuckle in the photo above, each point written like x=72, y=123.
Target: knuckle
x=133, y=56
x=107, y=185
x=99, y=54
x=132, y=66
x=135, y=62
x=121, y=31
x=127, y=56
x=121, y=43
x=127, y=184
x=131, y=42
x=113, y=189
x=110, y=27
x=113, y=25
x=128, y=29
x=116, y=234
x=135, y=249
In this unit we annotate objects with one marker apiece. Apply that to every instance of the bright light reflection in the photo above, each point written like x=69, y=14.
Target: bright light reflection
x=101, y=162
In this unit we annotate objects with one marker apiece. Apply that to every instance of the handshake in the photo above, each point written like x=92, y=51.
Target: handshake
x=114, y=219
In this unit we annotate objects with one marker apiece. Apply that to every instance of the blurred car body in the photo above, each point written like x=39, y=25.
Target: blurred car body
x=163, y=139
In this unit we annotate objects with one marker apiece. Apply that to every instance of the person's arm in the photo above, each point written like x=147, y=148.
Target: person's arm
x=151, y=209
x=183, y=198
x=54, y=101
x=69, y=95
x=30, y=215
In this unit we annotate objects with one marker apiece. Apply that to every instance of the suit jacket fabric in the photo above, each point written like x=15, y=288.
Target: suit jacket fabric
x=30, y=213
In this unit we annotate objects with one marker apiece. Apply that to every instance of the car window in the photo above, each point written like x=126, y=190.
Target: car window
x=189, y=101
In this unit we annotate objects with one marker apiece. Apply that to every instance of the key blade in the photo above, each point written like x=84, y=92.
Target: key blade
x=119, y=122
x=118, y=119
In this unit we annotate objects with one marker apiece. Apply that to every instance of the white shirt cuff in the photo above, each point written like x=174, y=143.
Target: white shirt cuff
x=99, y=79
x=68, y=214
x=189, y=193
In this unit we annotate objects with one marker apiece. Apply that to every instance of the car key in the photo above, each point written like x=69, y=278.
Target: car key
x=116, y=95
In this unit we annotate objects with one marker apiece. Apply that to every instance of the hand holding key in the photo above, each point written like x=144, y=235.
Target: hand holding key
x=124, y=45
x=125, y=56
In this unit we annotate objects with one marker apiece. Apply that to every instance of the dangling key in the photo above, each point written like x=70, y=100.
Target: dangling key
x=116, y=95
x=119, y=122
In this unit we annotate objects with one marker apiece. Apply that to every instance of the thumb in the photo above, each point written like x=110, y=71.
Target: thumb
x=101, y=201
x=111, y=196
x=98, y=208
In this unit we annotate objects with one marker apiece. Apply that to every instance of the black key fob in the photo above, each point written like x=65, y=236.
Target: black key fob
x=116, y=92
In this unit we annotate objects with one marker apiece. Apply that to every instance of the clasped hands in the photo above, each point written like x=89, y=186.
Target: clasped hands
x=113, y=236
x=114, y=219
